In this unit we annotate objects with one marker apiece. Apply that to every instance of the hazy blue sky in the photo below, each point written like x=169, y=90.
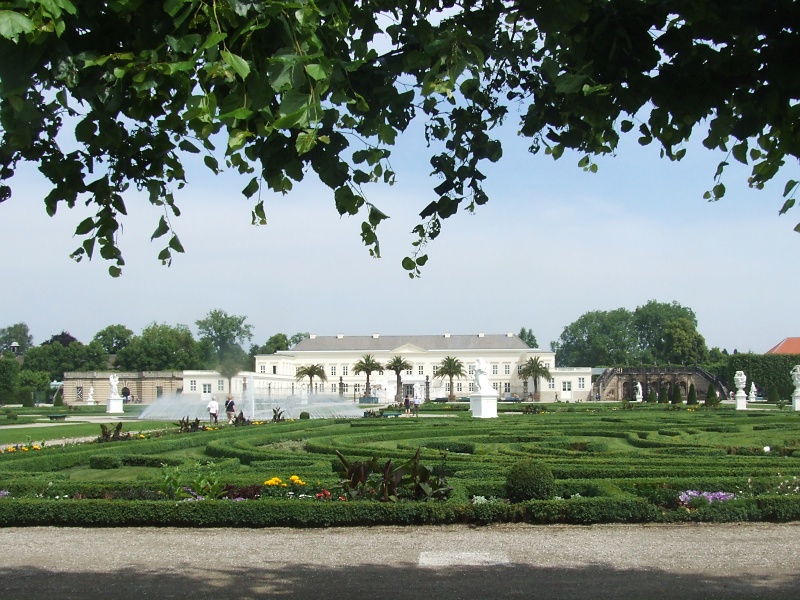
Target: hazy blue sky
x=553, y=243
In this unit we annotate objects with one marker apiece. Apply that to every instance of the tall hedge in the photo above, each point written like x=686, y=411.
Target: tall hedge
x=768, y=371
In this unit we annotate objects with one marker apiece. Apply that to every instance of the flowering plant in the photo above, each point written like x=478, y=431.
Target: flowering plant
x=695, y=499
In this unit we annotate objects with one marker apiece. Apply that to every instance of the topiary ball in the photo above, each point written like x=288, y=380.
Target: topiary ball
x=529, y=480
x=304, y=415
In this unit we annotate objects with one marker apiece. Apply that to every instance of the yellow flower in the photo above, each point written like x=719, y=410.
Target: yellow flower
x=24, y=448
x=37, y=447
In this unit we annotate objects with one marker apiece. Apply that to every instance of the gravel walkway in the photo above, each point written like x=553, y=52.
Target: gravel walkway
x=703, y=562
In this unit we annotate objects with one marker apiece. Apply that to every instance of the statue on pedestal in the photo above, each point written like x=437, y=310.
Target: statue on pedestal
x=481, y=377
x=114, y=381
x=740, y=380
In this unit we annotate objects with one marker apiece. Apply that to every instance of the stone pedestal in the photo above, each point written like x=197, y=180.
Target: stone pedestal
x=114, y=405
x=483, y=406
x=741, y=400
x=796, y=401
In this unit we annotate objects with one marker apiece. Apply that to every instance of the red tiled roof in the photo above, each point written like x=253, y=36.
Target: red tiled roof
x=788, y=346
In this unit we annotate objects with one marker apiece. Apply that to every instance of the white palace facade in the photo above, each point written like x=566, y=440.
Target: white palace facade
x=275, y=374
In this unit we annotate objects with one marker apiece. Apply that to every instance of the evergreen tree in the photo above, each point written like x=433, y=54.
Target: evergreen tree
x=651, y=396
x=663, y=395
x=712, y=399
x=692, y=398
x=676, y=397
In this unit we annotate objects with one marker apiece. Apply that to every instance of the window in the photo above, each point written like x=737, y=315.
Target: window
x=333, y=370
x=446, y=387
x=506, y=387
x=551, y=384
x=471, y=387
x=296, y=369
x=458, y=387
x=321, y=388
x=420, y=370
x=192, y=385
x=409, y=372
x=494, y=369
x=220, y=385
x=206, y=388
x=344, y=370
x=159, y=391
x=581, y=383
x=435, y=370
x=264, y=368
x=344, y=387
x=274, y=369
x=472, y=369
x=566, y=386
x=334, y=388
x=507, y=369
x=357, y=388
x=496, y=386
x=519, y=369
x=79, y=394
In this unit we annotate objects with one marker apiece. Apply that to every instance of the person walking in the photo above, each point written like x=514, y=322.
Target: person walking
x=213, y=411
x=230, y=409
x=417, y=402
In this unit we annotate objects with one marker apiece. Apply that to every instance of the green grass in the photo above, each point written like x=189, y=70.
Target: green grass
x=60, y=431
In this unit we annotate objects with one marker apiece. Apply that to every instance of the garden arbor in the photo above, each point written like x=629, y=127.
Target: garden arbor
x=311, y=371
x=450, y=367
x=367, y=365
x=398, y=364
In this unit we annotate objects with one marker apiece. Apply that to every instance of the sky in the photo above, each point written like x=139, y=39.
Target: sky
x=553, y=243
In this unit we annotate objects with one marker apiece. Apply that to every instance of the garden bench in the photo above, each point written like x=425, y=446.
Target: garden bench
x=391, y=413
x=56, y=417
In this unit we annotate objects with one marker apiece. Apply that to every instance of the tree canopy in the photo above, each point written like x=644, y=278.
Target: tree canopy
x=113, y=338
x=165, y=348
x=16, y=334
x=225, y=332
x=655, y=333
x=110, y=96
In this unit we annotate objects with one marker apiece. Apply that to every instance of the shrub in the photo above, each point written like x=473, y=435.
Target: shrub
x=27, y=400
x=651, y=396
x=712, y=399
x=691, y=400
x=529, y=480
x=676, y=397
x=104, y=461
x=304, y=415
x=663, y=395
x=11, y=416
x=773, y=395
x=58, y=400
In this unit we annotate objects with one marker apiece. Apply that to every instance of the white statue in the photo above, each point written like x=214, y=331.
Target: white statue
x=91, y=395
x=114, y=381
x=639, y=395
x=481, y=377
x=740, y=379
x=795, y=372
x=753, y=392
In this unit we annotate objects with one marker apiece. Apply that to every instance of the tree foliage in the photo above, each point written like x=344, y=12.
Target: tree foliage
x=311, y=371
x=533, y=368
x=450, y=367
x=527, y=336
x=56, y=359
x=17, y=333
x=655, y=333
x=367, y=365
x=767, y=371
x=162, y=347
x=113, y=338
x=65, y=338
x=277, y=90
x=398, y=364
x=225, y=332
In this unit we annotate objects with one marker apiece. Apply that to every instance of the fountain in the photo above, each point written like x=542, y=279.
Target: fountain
x=256, y=407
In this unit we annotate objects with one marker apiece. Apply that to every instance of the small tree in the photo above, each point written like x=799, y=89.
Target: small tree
x=398, y=364
x=663, y=395
x=450, y=367
x=712, y=399
x=676, y=397
x=773, y=395
x=311, y=371
x=367, y=365
x=651, y=396
x=691, y=399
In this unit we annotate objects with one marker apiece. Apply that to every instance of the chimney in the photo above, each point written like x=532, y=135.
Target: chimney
x=447, y=334
x=480, y=334
x=375, y=336
x=339, y=336
x=313, y=336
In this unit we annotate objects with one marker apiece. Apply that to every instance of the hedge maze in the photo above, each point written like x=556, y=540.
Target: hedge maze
x=609, y=464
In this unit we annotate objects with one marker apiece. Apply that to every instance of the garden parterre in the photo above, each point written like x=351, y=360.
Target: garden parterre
x=610, y=465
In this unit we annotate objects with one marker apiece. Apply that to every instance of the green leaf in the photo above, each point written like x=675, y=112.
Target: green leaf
x=786, y=206
x=316, y=72
x=739, y=152
x=114, y=271
x=161, y=229
x=251, y=188
x=13, y=23
x=175, y=244
x=236, y=62
x=790, y=185
x=211, y=163
x=85, y=226
x=409, y=264
x=305, y=142
x=188, y=146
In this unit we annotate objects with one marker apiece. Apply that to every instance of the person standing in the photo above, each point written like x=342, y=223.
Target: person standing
x=417, y=402
x=213, y=411
x=407, y=404
x=230, y=409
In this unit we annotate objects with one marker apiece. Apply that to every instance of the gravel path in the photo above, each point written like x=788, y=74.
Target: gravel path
x=703, y=562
